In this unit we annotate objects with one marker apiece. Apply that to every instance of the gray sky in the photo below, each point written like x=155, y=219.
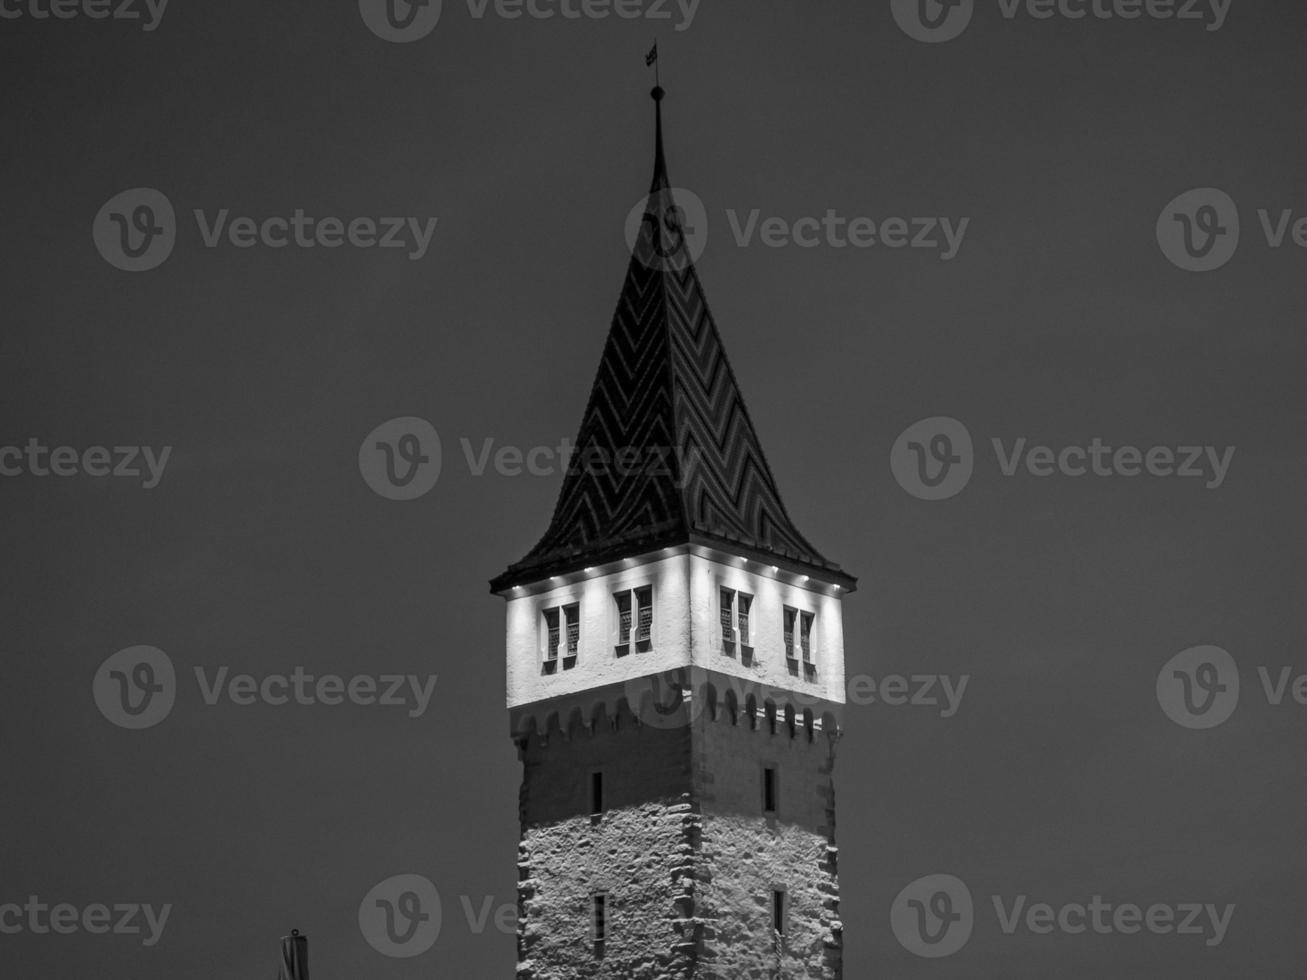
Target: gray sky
x=261, y=549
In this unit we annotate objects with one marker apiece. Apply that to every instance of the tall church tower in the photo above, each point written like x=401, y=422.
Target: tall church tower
x=675, y=672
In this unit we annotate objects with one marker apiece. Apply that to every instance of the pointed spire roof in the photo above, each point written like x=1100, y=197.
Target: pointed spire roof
x=666, y=454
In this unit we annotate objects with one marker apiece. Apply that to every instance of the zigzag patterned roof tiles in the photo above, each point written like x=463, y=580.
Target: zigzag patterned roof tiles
x=666, y=453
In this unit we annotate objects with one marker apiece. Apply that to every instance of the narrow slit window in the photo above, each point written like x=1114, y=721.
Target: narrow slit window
x=769, y=789
x=572, y=619
x=599, y=922
x=596, y=793
x=551, y=641
x=778, y=911
x=644, y=619
x=728, y=619
x=623, y=618
x=734, y=615
x=805, y=644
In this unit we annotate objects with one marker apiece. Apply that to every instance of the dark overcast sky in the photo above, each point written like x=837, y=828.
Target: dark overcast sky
x=262, y=548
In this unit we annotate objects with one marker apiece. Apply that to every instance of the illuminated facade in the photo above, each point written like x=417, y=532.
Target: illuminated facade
x=675, y=671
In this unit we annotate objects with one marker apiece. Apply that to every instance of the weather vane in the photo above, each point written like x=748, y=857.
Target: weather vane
x=652, y=59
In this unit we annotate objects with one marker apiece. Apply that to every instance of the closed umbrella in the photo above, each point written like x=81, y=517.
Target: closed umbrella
x=294, y=957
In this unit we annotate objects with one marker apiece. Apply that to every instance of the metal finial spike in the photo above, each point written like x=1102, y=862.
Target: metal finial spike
x=660, y=162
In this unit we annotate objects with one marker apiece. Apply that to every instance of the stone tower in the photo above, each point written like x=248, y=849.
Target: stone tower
x=675, y=671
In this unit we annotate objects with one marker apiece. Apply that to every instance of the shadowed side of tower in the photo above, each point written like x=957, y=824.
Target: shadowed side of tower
x=675, y=671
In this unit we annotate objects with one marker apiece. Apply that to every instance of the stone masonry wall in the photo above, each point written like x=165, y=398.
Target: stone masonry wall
x=748, y=854
x=683, y=850
x=640, y=852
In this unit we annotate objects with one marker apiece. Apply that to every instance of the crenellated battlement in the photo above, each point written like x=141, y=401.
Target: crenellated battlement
x=675, y=671
x=678, y=698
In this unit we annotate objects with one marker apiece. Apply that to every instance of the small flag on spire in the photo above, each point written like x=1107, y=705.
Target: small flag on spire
x=652, y=56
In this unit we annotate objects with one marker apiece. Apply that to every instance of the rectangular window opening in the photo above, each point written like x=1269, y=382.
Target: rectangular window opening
x=805, y=644
x=734, y=615
x=572, y=622
x=789, y=620
x=599, y=922
x=634, y=619
x=644, y=618
x=551, y=641
x=769, y=789
x=623, y=623
x=778, y=911
x=596, y=793
x=562, y=637
x=728, y=620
